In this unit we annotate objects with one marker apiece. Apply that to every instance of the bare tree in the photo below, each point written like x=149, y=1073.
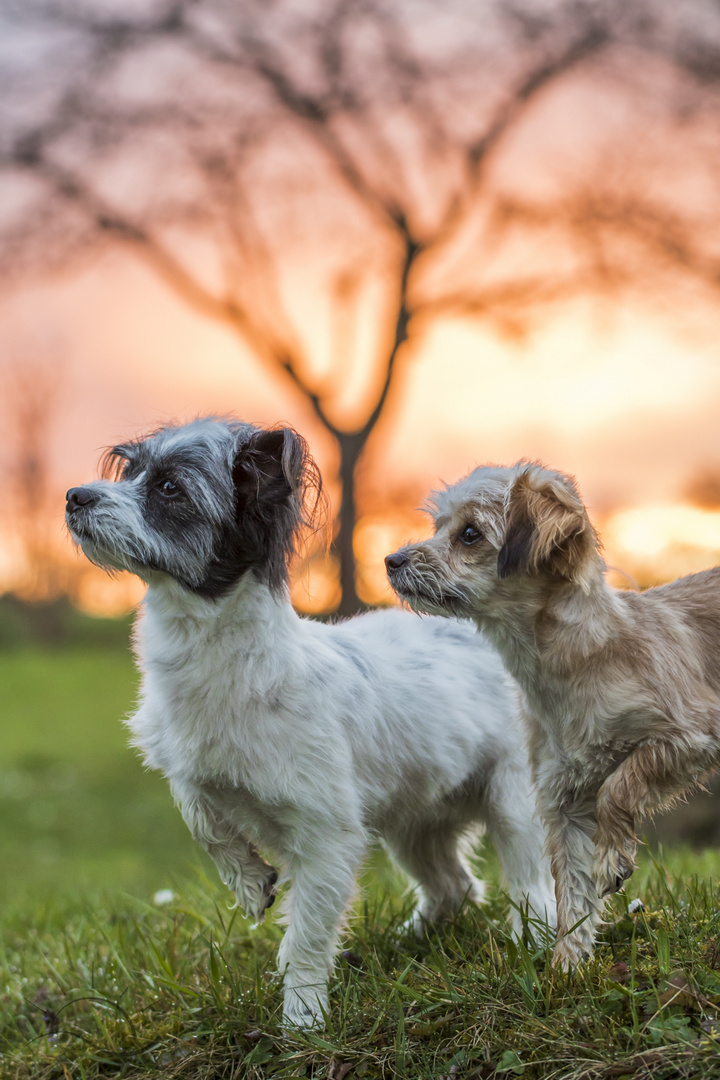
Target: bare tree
x=31, y=389
x=329, y=178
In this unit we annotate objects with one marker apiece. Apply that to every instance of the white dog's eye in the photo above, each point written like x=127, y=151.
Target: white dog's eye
x=169, y=489
x=470, y=535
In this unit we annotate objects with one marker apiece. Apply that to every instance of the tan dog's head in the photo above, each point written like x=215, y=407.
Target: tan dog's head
x=498, y=533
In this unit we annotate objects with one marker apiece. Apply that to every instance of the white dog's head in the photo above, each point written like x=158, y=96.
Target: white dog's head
x=203, y=503
x=499, y=533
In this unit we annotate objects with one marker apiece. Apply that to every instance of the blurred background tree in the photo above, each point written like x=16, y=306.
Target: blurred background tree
x=350, y=188
x=30, y=397
x=330, y=178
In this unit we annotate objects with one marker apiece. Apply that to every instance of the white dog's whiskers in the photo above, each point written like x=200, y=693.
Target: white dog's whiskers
x=621, y=690
x=302, y=738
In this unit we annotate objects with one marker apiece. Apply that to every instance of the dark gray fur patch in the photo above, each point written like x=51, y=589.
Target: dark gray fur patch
x=243, y=499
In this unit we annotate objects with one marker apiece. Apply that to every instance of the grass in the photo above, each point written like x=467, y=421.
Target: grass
x=77, y=810
x=98, y=981
x=118, y=987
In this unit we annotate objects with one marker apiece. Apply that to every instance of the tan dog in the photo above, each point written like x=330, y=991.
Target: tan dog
x=621, y=689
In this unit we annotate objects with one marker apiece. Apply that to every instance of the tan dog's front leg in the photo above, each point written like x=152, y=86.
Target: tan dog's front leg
x=648, y=777
x=615, y=839
x=578, y=906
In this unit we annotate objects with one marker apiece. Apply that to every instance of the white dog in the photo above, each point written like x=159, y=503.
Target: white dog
x=292, y=735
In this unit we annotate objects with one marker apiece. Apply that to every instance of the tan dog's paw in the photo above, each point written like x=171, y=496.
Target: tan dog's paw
x=612, y=867
x=570, y=952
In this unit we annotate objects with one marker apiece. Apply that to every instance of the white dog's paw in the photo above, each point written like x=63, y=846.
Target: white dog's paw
x=432, y=912
x=305, y=1006
x=538, y=919
x=612, y=867
x=255, y=891
x=416, y=926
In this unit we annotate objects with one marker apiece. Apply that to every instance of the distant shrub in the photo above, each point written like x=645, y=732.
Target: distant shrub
x=57, y=625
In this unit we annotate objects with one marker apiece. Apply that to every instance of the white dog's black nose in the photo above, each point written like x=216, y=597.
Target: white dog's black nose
x=396, y=560
x=79, y=496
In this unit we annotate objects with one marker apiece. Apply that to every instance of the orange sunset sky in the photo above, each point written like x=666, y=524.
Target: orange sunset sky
x=625, y=396
x=624, y=402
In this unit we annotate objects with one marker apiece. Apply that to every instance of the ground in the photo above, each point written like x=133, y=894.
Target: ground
x=99, y=979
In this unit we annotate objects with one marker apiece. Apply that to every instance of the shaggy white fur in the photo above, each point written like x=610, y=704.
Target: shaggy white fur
x=308, y=739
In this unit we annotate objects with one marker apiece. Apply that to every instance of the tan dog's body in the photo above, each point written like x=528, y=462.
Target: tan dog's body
x=622, y=690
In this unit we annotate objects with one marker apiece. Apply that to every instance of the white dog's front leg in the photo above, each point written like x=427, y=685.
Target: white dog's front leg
x=519, y=840
x=323, y=871
x=240, y=866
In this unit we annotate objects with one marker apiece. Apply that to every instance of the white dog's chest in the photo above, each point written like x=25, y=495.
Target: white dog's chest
x=230, y=767
x=204, y=732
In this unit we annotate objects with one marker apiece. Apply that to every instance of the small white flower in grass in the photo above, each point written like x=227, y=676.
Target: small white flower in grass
x=634, y=906
x=163, y=896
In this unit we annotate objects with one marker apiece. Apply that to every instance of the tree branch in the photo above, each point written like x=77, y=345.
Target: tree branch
x=400, y=336
x=170, y=270
x=478, y=153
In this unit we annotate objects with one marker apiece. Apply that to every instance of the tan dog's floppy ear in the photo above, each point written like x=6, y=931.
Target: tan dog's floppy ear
x=547, y=528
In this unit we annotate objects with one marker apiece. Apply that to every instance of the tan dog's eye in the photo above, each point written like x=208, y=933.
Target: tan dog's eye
x=470, y=535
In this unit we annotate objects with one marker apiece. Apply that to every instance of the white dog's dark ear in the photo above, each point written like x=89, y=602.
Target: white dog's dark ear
x=547, y=528
x=274, y=477
x=274, y=474
x=269, y=467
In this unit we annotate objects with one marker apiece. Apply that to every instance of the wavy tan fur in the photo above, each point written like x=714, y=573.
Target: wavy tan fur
x=621, y=690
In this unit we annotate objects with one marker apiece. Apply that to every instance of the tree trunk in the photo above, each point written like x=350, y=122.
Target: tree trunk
x=351, y=447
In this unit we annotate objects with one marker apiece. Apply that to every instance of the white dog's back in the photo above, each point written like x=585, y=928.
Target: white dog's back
x=426, y=697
